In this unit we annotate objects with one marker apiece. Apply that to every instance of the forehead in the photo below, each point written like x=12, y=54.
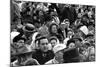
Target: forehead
x=53, y=40
x=53, y=26
x=72, y=43
x=21, y=41
x=44, y=40
x=70, y=32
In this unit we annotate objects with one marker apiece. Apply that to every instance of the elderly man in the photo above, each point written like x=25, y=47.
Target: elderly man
x=58, y=58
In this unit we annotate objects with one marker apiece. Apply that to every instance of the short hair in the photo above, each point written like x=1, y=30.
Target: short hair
x=70, y=41
x=40, y=38
x=16, y=39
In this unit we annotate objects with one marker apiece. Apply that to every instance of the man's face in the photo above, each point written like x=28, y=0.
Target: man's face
x=43, y=45
x=53, y=43
x=67, y=24
x=71, y=45
x=54, y=28
x=78, y=43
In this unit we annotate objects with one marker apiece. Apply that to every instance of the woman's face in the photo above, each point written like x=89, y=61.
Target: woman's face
x=70, y=33
x=54, y=29
x=53, y=42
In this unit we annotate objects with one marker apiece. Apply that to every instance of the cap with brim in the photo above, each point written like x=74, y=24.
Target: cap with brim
x=29, y=28
x=71, y=53
x=89, y=35
x=23, y=50
x=77, y=39
x=59, y=47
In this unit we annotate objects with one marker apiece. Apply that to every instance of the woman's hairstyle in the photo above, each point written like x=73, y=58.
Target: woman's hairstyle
x=51, y=27
x=70, y=41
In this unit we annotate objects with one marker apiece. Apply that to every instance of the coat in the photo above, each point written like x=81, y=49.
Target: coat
x=42, y=57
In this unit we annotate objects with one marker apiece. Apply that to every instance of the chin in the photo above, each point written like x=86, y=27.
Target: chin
x=45, y=50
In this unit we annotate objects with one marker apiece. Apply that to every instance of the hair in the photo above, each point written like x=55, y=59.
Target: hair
x=53, y=38
x=51, y=27
x=70, y=41
x=40, y=38
x=16, y=39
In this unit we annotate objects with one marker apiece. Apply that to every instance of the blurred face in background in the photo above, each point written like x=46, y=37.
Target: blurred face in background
x=40, y=13
x=91, y=29
x=53, y=42
x=54, y=29
x=43, y=45
x=20, y=43
x=78, y=43
x=70, y=33
x=59, y=56
x=67, y=23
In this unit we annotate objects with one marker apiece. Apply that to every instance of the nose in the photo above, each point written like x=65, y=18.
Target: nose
x=45, y=45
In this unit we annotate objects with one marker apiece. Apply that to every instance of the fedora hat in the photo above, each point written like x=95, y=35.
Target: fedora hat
x=22, y=50
x=29, y=27
x=71, y=55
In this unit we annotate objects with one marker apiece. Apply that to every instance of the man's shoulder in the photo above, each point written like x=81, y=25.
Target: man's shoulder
x=50, y=52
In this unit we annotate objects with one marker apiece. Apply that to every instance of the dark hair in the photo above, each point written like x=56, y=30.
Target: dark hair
x=16, y=39
x=53, y=38
x=70, y=41
x=38, y=35
x=40, y=38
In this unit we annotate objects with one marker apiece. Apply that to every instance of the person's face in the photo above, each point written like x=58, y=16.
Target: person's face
x=53, y=43
x=59, y=56
x=67, y=24
x=78, y=43
x=43, y=45
x=71, y=45
x=70, y=33
x=54, y=28
x=20, y=43
x=80, y=33
x=91, y=29
x=92, y=57
x=40, y=13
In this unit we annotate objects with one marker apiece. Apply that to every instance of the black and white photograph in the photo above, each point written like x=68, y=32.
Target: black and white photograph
x=45, y=33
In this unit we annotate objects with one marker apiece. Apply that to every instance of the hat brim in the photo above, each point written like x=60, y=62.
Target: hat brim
x=24, y=29
x=17, y=54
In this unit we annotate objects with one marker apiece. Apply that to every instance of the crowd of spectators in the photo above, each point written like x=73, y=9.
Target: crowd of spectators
x=51, y=33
